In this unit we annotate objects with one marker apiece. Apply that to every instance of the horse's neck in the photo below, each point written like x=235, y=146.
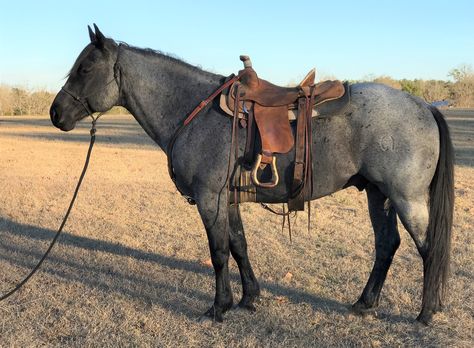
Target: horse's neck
x=160, y=91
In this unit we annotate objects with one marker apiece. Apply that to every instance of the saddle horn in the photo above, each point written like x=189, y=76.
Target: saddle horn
x=246, y=60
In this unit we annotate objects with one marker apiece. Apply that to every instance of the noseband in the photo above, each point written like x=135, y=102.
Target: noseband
x=83, y=100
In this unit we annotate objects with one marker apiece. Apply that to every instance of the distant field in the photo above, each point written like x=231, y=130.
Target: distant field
x=461, y=124
x=128, y=270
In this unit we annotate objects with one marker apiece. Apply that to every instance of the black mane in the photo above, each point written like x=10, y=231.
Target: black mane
x=145, y=51
x=157, y=53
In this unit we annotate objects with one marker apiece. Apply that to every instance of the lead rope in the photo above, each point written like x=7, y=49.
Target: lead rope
x=53, y=242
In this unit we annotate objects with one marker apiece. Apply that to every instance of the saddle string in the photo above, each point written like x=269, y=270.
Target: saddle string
x=66, y=216
x=235, y=141
x=308, y=185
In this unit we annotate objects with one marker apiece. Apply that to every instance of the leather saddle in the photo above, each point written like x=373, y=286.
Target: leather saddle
x=272, y=107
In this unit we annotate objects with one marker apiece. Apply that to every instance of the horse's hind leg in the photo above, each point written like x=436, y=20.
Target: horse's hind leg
x=387, y=240
x=414, y=215
x=238, y=248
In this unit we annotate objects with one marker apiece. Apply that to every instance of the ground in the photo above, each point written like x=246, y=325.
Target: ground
x=131, y=267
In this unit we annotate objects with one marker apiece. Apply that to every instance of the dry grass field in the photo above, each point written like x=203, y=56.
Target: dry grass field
x=129, y=270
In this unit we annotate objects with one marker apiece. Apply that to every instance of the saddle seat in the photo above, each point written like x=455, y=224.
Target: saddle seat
x=267, y=94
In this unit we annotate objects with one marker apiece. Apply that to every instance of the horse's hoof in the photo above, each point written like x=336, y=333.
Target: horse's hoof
x=248, y=306
x=426, y=318
x=205, y=321
x=213, y=314
x=359, y=308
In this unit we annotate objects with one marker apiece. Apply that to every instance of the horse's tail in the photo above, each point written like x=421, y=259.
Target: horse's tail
x=438, y=239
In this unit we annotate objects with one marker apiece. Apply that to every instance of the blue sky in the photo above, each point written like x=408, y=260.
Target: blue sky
x=40, y=40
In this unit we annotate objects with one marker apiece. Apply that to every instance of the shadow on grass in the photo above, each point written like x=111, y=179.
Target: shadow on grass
x=103, y=277
x=124, y=139
x=123, y=132
x=125, y=122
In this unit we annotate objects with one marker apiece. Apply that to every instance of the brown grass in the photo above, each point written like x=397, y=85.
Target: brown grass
x=128, y=271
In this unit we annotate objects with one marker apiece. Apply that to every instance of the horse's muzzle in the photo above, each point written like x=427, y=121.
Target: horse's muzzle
x=58, y=121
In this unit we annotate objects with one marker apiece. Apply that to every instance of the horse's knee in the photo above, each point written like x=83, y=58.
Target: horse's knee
x=238, y=247
x=393, y=243
x=219, y=258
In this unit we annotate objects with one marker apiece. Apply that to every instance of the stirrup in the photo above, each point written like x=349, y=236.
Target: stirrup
x=275, y=176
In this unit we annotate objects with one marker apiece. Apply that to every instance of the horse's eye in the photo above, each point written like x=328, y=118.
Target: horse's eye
x=84, y=70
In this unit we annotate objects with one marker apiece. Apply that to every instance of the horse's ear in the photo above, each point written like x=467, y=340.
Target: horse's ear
x=100, y=38
x=91, y=35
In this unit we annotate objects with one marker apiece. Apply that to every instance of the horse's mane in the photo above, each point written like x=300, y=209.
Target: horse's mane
x=157, y=53
x=144, y=51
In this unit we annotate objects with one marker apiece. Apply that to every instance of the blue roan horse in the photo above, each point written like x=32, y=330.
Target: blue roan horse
x=391, y=144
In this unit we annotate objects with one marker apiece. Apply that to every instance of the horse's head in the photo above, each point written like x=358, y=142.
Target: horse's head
x=92, y=84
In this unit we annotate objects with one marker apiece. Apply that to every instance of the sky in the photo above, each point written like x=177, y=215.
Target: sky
x=348, y=40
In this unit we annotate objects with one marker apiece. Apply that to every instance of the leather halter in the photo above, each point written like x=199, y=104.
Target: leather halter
x=83, y=100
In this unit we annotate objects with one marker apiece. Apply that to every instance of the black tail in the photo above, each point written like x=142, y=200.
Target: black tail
x=438, y=240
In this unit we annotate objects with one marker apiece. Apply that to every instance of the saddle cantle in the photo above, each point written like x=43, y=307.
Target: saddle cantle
x=272, y=107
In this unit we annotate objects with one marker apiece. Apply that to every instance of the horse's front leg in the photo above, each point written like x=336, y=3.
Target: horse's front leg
x=238, y=248
x=214, y=213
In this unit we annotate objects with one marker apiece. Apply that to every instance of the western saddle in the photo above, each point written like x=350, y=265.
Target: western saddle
x=271, y=108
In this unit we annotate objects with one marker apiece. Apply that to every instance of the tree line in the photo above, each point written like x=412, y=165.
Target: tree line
x=18, y=101
x=22, y=101
x=458, y=92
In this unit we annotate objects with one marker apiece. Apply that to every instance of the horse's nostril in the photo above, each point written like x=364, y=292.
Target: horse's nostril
x=53, y=114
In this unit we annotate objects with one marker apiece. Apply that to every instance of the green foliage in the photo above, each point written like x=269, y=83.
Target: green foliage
x=414, y=87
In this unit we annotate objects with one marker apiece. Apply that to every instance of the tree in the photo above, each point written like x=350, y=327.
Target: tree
x=19, y=101
x=387, y=80
x=6, y=101
x=40, y=102
x=434, y=90
x=462, y=72
x=414, y=87
x=462, y=91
